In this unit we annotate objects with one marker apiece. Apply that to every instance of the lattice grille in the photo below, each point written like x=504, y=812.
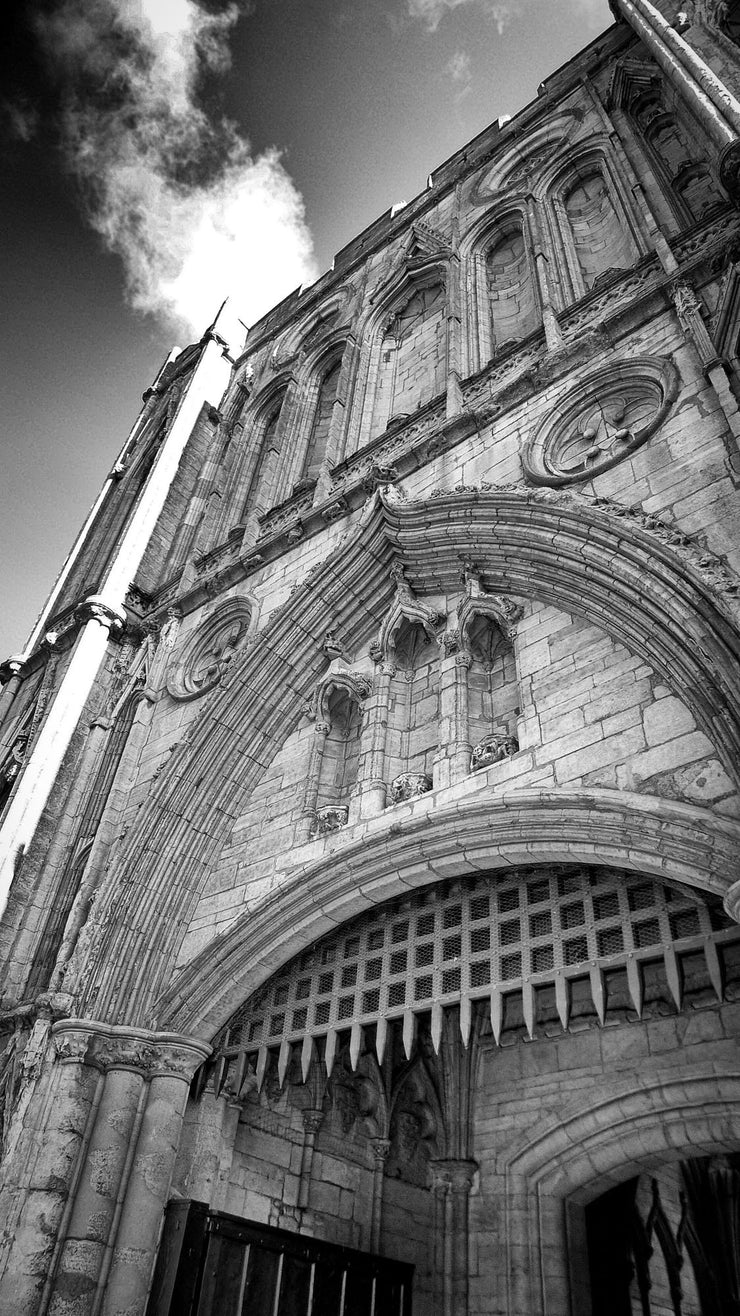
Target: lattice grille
x=488, y=938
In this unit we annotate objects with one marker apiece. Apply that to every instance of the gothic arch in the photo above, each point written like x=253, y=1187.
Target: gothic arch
x=493, y=831
x=637, y=587
x=251, y=458
x=479, y=243
x=616, y=228
x=413, y=276
x=329, y=356
x=590, y=1149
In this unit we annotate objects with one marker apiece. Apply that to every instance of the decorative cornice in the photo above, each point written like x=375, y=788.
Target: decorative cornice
x=104, y=1047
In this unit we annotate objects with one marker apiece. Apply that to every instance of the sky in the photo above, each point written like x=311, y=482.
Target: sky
x=159, y=155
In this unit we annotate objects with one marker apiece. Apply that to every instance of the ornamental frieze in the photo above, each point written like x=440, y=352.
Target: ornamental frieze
x=600, y=421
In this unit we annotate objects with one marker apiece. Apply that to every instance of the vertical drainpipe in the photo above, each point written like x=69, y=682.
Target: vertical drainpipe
x=103, y=614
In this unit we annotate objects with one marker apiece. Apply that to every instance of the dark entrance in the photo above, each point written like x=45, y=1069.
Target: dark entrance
x=211, y=1264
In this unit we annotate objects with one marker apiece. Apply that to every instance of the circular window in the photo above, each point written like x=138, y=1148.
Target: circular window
x=600, y=421
x=202, y=660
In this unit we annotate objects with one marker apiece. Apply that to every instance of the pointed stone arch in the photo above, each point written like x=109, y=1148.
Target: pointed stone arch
x=587, y=561
x=591, y=1148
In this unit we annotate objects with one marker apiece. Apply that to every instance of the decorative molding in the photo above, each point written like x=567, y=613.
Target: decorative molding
x=502, y=611
x=330, y=819
x=107, y=1047
x=493, y=749
x=405, y=606
x=601, y=420
x=357, y=686
x=407, y=785
x=94, y=608
x=201, y=662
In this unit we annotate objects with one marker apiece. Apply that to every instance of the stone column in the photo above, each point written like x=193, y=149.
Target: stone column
x=312, y=1120
x=311, y=788
x=453, y=760
x=371, y=785
x=123, y=1091
x=380, y=1148
x=11, y=674
x=689, y=312
x=454, y=398
x=553, y=333
x=55, y=1111
x=452, y=1181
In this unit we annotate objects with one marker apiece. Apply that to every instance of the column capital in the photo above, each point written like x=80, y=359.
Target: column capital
x=13, y=666
x=457, y=1175
x=94, y=608
x=312, y=1120
x=380, y=1150
x=107, y=1047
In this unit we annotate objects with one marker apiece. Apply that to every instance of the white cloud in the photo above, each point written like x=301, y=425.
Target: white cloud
x=192, y=212
x=431, y=12
x=21, y=119
x=459, y=66
x=502, y=12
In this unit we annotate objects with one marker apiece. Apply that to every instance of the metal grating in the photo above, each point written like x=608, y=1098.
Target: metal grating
x=488, y=938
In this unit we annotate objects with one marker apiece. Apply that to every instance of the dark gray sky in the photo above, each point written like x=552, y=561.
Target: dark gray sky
x=363, y=98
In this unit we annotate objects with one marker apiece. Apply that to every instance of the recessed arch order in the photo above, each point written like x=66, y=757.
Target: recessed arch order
x=585, y=560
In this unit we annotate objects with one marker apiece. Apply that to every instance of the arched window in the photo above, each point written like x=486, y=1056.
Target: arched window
x=412, y=356
x=599, y=241
x=698, y=190
x=413, y=713
x=260, y=493
x=341, y=754
x=731, y=23
x=674, y=159
x=493, y=689
x=321, y=426
x=511, y=290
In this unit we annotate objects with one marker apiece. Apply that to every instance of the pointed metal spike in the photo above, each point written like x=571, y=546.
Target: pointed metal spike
x=497, y=1013
x=355, y=1044
x=283, y=1059
x=240, y=1072
x=331, y=1050
x=597, y=991
x=307, y=1051
x=381, y=1033
x=673, y=974
x=222, y=1069
x=714, y=968
x=465, y=1016
x=634, y=982
x=562, y=1000
x=528, y=1006
x=436, y=1026
x=262, y=1057
x=200, y=1081
x=409, y=1032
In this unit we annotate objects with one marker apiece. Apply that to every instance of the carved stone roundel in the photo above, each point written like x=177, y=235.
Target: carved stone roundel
x=201, y=661
x=600, y=421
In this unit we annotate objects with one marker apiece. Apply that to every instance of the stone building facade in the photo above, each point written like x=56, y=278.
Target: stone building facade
x=370, y=783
